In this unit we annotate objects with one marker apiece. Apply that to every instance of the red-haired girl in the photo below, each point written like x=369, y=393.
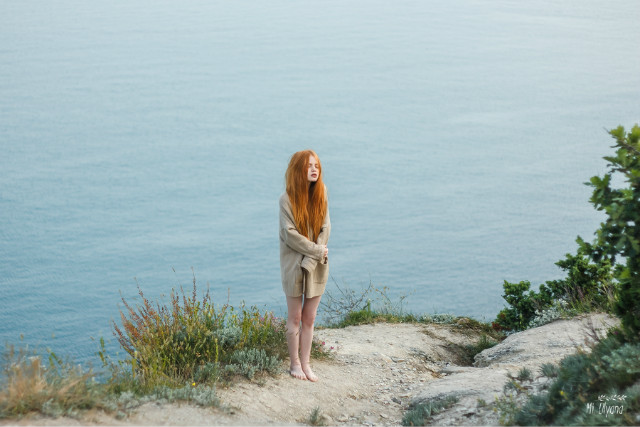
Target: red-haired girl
x=304, y=263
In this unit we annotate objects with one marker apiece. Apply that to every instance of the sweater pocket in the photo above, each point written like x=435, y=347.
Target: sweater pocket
x=321, y=273
x=299, y=271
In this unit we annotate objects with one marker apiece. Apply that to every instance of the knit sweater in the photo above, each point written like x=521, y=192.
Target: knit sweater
x=303, y=267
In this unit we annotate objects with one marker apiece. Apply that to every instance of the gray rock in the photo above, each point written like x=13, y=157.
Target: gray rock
x=530, y=349
x=545, y=344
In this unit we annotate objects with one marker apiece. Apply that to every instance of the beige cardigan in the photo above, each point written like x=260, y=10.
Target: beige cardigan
x=303, y=267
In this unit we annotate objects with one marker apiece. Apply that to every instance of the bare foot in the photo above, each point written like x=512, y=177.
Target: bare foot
x=309, y=373
x=296, y=372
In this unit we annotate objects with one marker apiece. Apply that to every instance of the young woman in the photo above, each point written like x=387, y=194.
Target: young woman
x=304, y=262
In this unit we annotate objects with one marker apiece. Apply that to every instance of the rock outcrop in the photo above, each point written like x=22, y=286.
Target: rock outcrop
x=484, y=382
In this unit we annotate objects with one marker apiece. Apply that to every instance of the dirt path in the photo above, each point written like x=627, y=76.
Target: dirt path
x=370, y=378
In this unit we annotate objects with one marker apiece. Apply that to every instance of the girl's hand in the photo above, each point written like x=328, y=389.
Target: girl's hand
x=326, y=251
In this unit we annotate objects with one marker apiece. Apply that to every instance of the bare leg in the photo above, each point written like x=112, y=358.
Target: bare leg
x=309, y=310
x=294, y=315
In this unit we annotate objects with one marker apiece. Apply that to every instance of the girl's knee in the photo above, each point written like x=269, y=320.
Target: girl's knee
x=293, y=320
x=308, y=319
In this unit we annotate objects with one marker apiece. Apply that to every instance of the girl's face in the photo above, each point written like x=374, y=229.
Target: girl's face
x=313, y=172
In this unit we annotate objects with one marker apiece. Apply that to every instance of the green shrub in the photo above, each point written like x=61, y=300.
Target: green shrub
x=315, y=419
x=200, y=394
x=524, y=374
x=588, y=286
x=419, y=414
x=248, y=362
x=594, y=280
x=619, y=235
x=523, y=305
x=191, y=340
x=610, y=370
x=549, y=370
x=442, y=318
x=207, y=373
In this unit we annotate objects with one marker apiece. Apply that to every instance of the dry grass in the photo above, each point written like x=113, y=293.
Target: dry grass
x=55, y=389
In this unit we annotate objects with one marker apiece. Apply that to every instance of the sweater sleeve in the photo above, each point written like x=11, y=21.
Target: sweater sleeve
x=309, y=264
x=292, y=238
x=323, y=237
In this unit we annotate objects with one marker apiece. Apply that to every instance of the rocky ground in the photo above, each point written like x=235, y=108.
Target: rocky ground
x=375, y=373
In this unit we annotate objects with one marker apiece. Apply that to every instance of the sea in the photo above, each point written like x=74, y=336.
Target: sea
x=143, y=145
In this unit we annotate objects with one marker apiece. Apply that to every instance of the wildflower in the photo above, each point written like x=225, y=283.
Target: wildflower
x=322, y=342
x=193, y=384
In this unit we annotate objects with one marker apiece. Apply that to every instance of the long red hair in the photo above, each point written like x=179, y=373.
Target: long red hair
x=308, y=199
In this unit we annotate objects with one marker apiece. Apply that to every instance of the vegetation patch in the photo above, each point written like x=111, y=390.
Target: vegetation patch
x=56, y=388
x=597, y=388
x=420, y=414
x=316, y=418
x=191, y=340
x=589, y=286
x=465, y=354
x=345, y=306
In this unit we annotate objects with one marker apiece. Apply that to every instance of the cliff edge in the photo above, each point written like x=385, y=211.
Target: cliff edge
x=376, y=373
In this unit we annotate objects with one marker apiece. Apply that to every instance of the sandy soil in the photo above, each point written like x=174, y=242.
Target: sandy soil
x=374, y=374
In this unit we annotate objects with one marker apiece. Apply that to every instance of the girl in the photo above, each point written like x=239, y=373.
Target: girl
x=304, y=263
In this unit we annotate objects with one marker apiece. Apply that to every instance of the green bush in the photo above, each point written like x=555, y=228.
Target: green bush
x=207, y=373
x=588, y=286
x=523, y=305
x=248, y=362
x=610, y=370
x=619, y=235
x=191, y=340
x=200, y=394
x=549, y=370
x=315, y=419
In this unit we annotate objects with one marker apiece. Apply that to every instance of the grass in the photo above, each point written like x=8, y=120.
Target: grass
x=345, y=306
x=55, y=388
x=367, y=316
x=315, y=419
x=483, y=343
x=465, y=354
x=420, y=414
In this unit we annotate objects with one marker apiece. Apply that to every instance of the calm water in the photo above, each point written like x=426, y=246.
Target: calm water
x=140, y=137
